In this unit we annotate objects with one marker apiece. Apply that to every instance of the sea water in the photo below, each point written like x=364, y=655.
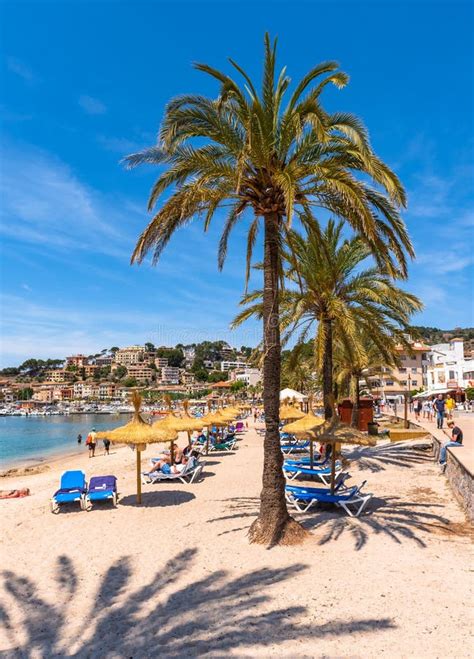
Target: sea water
x=34, y=438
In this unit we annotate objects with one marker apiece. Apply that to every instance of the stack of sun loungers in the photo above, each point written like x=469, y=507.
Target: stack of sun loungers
x=74, y=489
x=302, y=498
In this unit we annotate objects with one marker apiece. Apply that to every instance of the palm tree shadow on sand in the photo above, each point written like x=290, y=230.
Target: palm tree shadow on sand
x=215, y=613
x=378, y=458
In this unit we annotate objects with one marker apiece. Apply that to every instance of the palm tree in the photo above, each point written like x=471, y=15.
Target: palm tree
x=336, y=293
x=371, y=352
x=257, y=157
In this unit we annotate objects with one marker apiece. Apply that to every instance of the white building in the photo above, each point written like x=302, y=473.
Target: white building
x=251, y=376
x=449, y=368
x=168, y=375
x=226, y=366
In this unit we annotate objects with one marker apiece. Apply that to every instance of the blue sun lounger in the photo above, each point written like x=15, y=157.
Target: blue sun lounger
x=101, y=488
x=72, y=490
x=295, y=448
x=302, y=498
x=306, y=462
x=292, y=471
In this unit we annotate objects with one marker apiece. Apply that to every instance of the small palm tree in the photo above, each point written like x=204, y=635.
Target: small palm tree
x=371, y=351
x=269, y=156
x=334, y=292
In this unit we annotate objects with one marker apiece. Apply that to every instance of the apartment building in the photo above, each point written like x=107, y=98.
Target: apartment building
x=449, y=368
x=77, y=360
x=106, y=390
x=168, y=375
x=59, y=375
x=130, y=356
x=227, y=366
x=141, y=372
x=411, y=374
x=161, y=362
x=44, y=394
x=251, y=376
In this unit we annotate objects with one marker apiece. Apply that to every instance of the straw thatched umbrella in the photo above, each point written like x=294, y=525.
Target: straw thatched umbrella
x=290, y=413
x=213, y=419
x=138, y=433
x=188, y=423
x=303, y=428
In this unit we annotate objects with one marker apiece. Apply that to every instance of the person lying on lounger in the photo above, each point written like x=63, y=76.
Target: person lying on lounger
x=167, y=468
x=14, y=494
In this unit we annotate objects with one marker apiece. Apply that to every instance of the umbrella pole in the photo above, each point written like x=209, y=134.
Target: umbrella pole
x=207, y=441
x=333, y=468
x=139, y=480
x=189, y=438
x=172, y=452
x=311, y=452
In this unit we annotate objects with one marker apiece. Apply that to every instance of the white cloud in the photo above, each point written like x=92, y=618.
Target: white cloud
x=21, y=69
x=119, y=145
x=45, y=204
x=92, y=105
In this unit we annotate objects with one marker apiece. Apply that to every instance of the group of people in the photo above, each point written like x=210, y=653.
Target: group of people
x=91, y=443
x=440, y=407
x=173, y=461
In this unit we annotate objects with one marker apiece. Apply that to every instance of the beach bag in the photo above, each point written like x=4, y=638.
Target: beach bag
x=88, y=440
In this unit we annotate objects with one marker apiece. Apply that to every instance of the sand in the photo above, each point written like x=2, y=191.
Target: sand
x=176, y=576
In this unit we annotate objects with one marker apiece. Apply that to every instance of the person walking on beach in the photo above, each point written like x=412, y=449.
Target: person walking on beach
x=456, y=440
x=79, y=438
x=106, y=446
x=91, y=442
x=439, y=407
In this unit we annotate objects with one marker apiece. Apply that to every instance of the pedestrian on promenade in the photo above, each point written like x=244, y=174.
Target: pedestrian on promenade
x=418, y=408
x=450, y=406
x=456, y=440
x=439, y=406
x=429, y=406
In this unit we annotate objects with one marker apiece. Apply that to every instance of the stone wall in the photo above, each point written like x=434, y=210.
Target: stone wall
x=459, y=477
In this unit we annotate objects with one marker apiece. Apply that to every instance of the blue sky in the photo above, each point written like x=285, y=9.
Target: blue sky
x=83, y=84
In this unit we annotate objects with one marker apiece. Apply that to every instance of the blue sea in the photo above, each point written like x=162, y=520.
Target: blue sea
x=25, y=439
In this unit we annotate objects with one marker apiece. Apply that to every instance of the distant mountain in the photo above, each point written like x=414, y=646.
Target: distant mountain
x=433, y=335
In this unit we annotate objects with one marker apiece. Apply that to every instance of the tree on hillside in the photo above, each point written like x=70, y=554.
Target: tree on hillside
x=260, y=159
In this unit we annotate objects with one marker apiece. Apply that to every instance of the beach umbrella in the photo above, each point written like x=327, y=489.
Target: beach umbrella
x=290, y=412
x=138, y=433
x=303, y=428
x=188, y=423
x=335, y=432
x=213, y=419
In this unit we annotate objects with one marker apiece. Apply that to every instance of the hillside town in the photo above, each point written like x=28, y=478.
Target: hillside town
x=109, y=376
x=104, y=381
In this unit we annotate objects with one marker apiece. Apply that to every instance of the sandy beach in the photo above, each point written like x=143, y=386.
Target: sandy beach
x=176, y=576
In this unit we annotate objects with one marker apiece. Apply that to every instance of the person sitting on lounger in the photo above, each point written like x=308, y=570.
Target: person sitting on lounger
x=167, y=468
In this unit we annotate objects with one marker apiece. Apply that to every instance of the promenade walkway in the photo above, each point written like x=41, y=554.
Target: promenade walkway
x=465, y=421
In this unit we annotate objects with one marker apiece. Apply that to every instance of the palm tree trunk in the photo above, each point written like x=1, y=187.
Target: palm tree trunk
x=355, y=394
x=273, y=525
x=327, y=368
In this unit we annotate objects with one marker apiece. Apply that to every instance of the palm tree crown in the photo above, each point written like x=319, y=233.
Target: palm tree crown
x=269, y=157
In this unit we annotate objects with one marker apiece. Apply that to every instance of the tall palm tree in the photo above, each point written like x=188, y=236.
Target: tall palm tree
x=333, y=290
x=260, y=155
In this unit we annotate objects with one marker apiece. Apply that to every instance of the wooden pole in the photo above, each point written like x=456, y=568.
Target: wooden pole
x=139, y=479
x=311, y=452
x=333, y=468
